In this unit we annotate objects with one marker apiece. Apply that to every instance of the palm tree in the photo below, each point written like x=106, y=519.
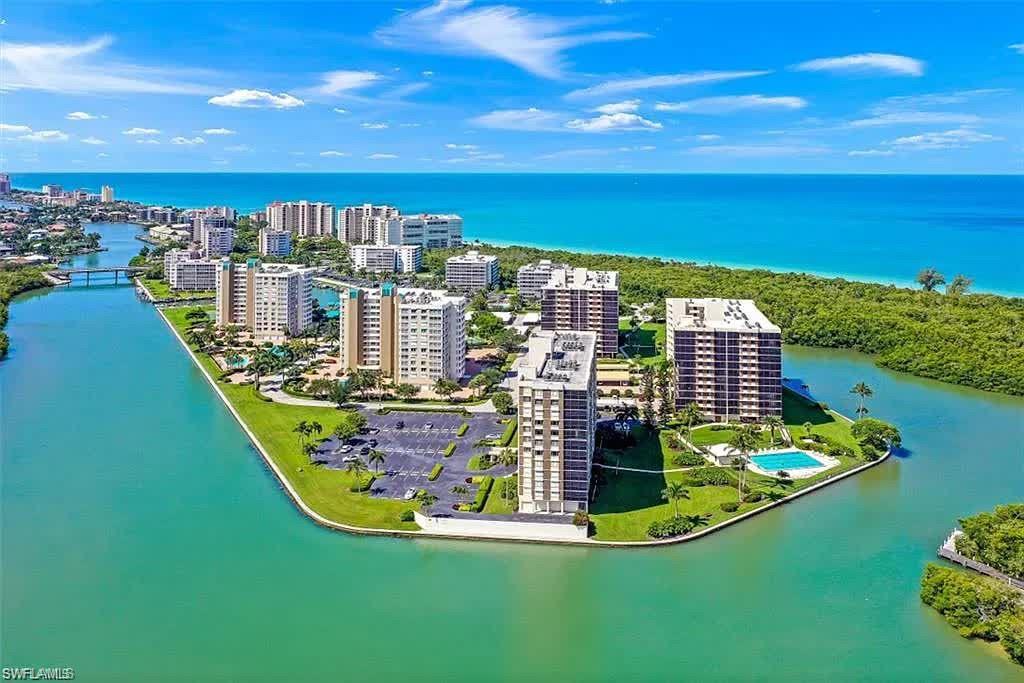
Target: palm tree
x=773, y=422
x=863, y=391
x=744, y=441
x=357, y=468
x=508, y=456
x=376, y=458
x=929, y=279
x=674, y=492
x=740, y=465
x=690, y=413
x=626, y=412
x=406, y=390
x=807, y=428
x=303, y=430
x=263, y=362
x=426, y=500
x=309, y=449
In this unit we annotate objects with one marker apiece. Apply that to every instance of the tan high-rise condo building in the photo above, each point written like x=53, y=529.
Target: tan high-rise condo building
x=414, y=336
x=365, y=224
x=583, y=300
x=726, y=357
x=471, y=272
x=305, y=219
x=273, y=300
x=557, y=396
x=107, y=194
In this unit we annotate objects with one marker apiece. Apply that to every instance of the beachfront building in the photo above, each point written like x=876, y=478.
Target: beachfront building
x=585, y=301
x=471, y=272
x=726, y=357
x=387, y=258
x=365, y=223
x=275, y=242
x=531, y=278
x=52, y=190
x=5, y=184
x=306, y=219
x=414, y=336
x=427, y=230
x=557, y=396
x=107, y=194
x=274, y=300
x=187, y=270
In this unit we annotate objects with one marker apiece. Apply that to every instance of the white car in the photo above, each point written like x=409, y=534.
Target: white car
x=409, y=494
x=345, y=449
x=350, y=458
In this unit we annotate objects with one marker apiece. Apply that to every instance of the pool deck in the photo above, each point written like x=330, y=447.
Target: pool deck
x=795, y=473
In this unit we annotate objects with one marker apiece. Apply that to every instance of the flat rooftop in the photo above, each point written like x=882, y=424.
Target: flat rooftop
x=581, y=278
x=472, y=257
x=737, y=315
x=559, y=360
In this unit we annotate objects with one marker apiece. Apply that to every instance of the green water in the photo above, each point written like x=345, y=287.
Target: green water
x=144, y=540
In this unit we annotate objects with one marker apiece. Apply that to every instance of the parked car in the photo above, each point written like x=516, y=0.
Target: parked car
x=400, y=424
x=373, y=443
x=364, y=450
x=345, y=449
x=409, y=494
x=364, y=430
x=350, y=458
x=429, y=425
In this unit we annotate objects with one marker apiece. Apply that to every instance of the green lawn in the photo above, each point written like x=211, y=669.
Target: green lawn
x=495, y=504
x=646, y=345
x=324, y=490
x=648, y=454
x=627, y=502
x=161, y=290
x=706, y=436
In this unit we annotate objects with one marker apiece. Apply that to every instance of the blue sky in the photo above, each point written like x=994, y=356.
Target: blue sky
x=520, y=87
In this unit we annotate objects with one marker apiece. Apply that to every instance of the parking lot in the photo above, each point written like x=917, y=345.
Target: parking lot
x=413, y=442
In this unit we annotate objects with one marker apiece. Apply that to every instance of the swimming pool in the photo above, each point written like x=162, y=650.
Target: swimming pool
x=790, y=460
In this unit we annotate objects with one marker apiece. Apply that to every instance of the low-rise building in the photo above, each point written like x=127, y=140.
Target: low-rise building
x=556, y=394
x=273, y=300
x=188, y=270
x=531, y=278
x=275, y=242
x=584, y=300
x=471, y=272
x=414, y=336
x=386, y=258
x=170, y=233
x=726, y=357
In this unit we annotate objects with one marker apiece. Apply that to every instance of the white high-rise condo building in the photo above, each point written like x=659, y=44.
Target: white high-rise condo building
x=365, y=224
x=188, y=270
x=275, y=243
x=217, y=241
x=202, y=221
x=306, y=219
x=726, y=357
x=387, y=258
x=5, y=184
x=414, y=336
x=107, y=194
x=427, y=230
x=557, y=396
x=532, y=277
x=273, y=300
x=583, y=300
x=52, y=190
x=471, y=272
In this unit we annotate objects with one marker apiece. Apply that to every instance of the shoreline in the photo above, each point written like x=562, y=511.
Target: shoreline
x=320, y=520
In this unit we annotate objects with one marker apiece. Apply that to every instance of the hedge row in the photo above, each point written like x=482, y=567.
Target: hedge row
x=436, y=472
x=481, y=493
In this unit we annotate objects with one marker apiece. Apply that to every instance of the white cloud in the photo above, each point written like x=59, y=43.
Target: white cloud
x=426, y=74
x=531, y=119
x=1017, y=47
x=533, y=42
x=333, y=153
x=612, y=122
x=406, y=90
x=337, y=82
x=707, y=137
x=475, y=158
x=14, y=128
x=731, y=103
x=870, y=153
x=868, y=62
x=253, y=99
x=915, y=117
x=93, y=141
x=238, y=148
x=638, y=148
x=623, y=85
x=757, y=151
x=45, y=136
x=218, y=131
x=576, y=153
x=913, y=102
x=379, y=156
x=409, y=125
x=74, y=68
x=623, y=107
x=452, y=145
x=148, y=141
x=188, y=141
x=339, y=110
x=140, y=131
x=102, y=155
x=374, y=125
x=81, y=116
x=957, y=138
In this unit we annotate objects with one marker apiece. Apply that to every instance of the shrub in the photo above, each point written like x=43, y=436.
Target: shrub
x=687, y=459
x=730, y=506
x=712, y=476
x=581, y=518
x=362, y=485
x=463, y=428
x=667, y=528
x=510, y=431
x=449, y=449
x=502, y=402
x=879, y=434
x=482, y=493
x=407, y=516
x=754, y=497
x=435, y=472
x=838, y=450
x=870, y=452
